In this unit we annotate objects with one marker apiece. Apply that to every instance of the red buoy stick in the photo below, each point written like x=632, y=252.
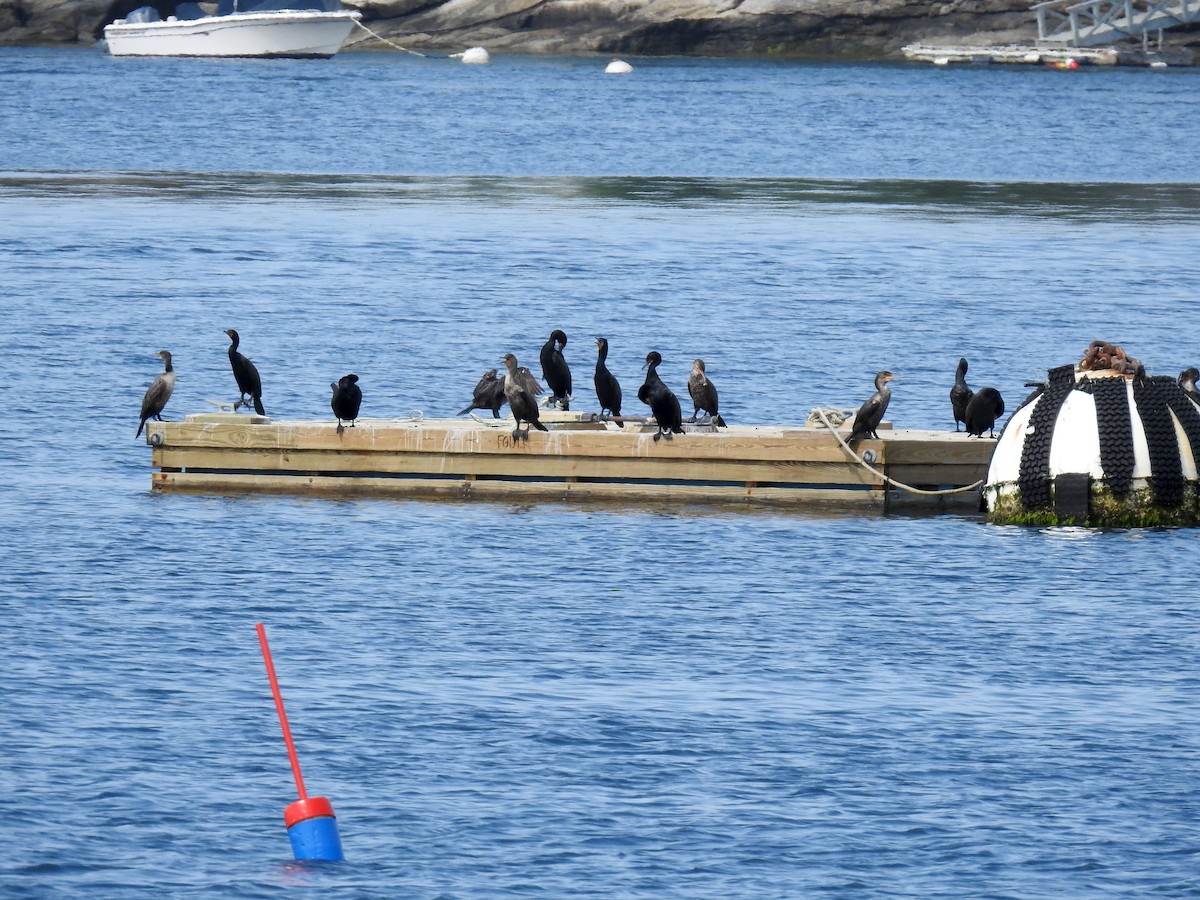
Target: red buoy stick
x=283, y=722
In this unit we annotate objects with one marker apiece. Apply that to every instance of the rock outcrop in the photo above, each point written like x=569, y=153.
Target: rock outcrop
x=822, y=28
x=785, y=28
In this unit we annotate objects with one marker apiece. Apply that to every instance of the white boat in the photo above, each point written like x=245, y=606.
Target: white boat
x=238, y=28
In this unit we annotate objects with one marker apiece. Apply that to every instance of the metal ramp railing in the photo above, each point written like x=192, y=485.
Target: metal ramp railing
x=1091, y=23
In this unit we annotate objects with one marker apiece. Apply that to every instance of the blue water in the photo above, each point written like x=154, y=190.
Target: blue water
x=593, y=701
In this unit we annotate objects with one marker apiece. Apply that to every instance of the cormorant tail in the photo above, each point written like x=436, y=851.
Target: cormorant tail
x=539, y=426
x=258, y=407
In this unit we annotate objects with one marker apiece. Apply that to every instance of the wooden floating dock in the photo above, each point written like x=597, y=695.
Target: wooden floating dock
x=1045, y=55
x=578, y=459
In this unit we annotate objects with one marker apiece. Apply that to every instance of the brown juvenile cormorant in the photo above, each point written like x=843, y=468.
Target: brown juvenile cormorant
x=960, y=394
x=347, y=398
x=158, y=393
x=982, y=412
x=1187, y=381
x=556, y=371
x=246, y=376
x=520, y=399
x=704, y=394
x=526, y=380
x=489, y=394
x=870, y=414
x=663, y=403
x=608, y=389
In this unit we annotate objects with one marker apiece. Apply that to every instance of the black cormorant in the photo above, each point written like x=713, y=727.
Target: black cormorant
x=870, y=414
x=704, y=394
x=520, y=399
x=489, y=394
x=982, y=412
x=1187, y=381
x=246, y=376
x=663, y=403
x=556, y=371
x=158, y=393
x=608, y=389
x=347, y=398
x=960, y=394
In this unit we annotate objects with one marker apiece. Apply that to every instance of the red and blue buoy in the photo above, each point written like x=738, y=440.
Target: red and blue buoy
x=311, y=824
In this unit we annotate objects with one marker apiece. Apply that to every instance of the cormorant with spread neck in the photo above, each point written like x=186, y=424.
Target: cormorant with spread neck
x=608, y=389
x=870, y=414
x=347, y=398
x=703, y=393
x=246, y=376
x=556, y=371
x=960, y=394
x=158, y=393
x=661, y=399
x=520, y=400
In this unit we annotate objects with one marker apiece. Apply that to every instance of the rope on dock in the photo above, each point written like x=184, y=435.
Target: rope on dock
x=380, y=37
x=820, y=413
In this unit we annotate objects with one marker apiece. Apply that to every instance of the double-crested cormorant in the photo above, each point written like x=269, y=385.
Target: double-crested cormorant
x=246, y=376
x=960, y=394
x=1187, y=381
x=489, y=394
x=704, y=394
x=158, y=393
x=982, y=412
x=526, y=380
x=662, y=401
x=608, y=389
x=347, y=398
x=556, y=371
x=520, y=399
x=870, y=414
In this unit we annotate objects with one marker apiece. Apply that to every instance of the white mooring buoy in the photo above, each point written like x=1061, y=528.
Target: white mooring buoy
x=1100, y=443
x=618, y=67
x=476, y=56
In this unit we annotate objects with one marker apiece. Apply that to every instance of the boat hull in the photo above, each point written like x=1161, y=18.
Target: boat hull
x=287, y=34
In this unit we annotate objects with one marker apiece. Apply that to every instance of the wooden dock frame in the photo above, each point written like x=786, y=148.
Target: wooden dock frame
x=576, y=460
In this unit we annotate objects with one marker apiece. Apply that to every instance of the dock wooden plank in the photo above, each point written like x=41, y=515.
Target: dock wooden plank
x=440, y=436
x=498, y=489
x=548, y=467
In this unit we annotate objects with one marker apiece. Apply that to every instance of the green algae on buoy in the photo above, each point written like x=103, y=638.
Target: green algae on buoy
x=1100, y=443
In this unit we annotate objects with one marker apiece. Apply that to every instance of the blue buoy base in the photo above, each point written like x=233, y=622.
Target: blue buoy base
x=316, y=839
x=312, y=829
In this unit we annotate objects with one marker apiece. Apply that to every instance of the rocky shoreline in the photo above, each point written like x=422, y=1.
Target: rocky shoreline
x=815, y=29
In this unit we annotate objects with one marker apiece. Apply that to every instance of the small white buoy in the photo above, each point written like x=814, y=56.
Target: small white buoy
x=1158, y=64
x=941, y=61
x=618, y=67
x=1033, y=57
x=476, y=55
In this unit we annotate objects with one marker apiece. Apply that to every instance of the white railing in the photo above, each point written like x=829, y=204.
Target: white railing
x=1092, y=22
